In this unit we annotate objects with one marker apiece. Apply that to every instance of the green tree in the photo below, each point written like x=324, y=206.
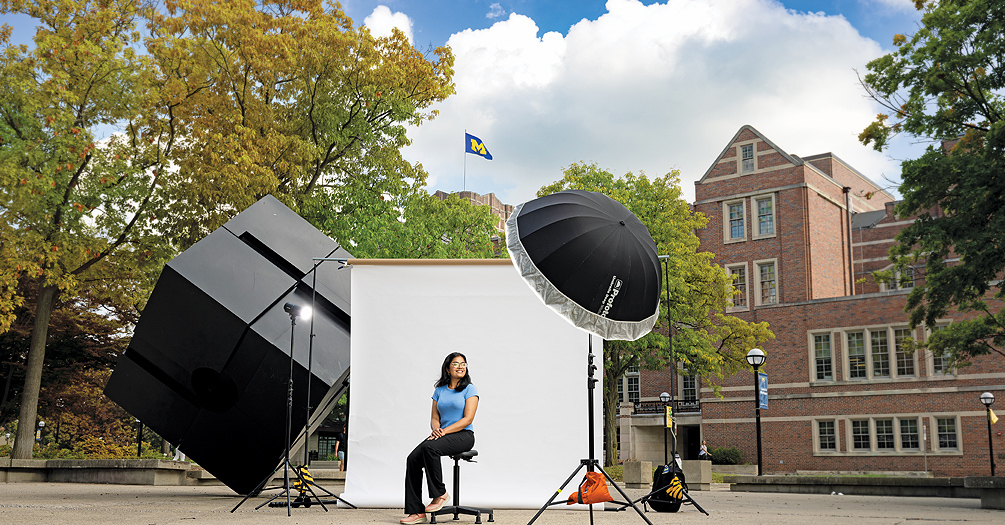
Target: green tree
x=77, y=213
x=706, y=342
x=945, y=83
x=415, y=225
x=286, y=97
x=218, y=105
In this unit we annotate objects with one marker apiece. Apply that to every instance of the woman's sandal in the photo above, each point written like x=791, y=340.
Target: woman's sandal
x=413, y=518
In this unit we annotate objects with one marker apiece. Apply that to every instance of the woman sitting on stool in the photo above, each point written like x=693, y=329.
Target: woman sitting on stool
x=455, y=401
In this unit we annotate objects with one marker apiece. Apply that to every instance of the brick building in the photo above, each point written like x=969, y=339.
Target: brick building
x=498, y=208
x=802, y=236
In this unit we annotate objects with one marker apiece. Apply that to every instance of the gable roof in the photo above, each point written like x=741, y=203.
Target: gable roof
x=747, y=127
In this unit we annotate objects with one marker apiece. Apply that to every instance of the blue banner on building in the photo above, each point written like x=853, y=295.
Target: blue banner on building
x=762, y=389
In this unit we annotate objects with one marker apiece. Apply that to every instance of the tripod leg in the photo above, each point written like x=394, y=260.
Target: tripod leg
x=557, y=492
x=285, y=491
x=329, y=493
x=695, y=503
x=257, y=490
x=309, y=489
x=623, y=495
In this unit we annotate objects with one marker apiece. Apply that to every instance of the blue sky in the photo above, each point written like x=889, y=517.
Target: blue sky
x=639, y=85
x=435, y=20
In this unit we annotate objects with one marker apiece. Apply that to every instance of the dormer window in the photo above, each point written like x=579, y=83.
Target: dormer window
x=747, y=158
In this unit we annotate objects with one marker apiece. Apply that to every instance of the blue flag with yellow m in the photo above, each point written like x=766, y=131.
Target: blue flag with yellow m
x=473, y=144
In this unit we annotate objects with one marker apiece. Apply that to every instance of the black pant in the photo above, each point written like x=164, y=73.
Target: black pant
x=427, y=456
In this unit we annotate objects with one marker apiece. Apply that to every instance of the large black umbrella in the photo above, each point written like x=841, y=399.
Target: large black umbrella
x=589, y=259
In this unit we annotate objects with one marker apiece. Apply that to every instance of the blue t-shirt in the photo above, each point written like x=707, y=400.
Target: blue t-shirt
x=450, y=404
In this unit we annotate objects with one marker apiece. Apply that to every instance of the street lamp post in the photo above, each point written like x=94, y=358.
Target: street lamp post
x=756, y=358
x=139, y=438
x=987, y=398
x=665, y=398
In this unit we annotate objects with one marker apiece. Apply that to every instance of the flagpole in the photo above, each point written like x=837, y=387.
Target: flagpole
x=465, y=153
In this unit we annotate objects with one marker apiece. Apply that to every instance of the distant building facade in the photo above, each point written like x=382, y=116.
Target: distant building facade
x=499, y=209
x=802, y=238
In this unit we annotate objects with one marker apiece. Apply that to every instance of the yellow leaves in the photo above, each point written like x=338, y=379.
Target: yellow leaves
x=899, y=40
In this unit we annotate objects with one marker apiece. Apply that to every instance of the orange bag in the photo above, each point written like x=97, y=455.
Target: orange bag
x=592, y=490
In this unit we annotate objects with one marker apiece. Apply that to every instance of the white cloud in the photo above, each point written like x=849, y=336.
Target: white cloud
x=495, y=11
x=648, y=88
x=381, y=21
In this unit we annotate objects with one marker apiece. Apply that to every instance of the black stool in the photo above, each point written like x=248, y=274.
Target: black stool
x=457, y=509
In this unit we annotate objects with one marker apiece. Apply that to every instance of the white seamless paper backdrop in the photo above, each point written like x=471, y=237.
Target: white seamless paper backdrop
x=528, y=363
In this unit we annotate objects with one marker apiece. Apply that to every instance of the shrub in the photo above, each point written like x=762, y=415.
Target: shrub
x=726, y=456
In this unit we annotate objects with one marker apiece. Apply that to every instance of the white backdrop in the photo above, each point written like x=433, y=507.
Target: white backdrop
x=528, y=363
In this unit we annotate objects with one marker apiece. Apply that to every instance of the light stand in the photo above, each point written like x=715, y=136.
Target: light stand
x=668, y=420
x=307, y=480
x=756, y=358
x=673, y=363
x=665, y=398
x=591, y=463
x=294, y=311
x=988, y=398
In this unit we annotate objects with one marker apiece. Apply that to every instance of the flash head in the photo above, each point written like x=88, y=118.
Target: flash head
x=295, y=310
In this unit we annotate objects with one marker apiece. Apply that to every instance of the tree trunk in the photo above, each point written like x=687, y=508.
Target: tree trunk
x=33, y=373
x=611, y=421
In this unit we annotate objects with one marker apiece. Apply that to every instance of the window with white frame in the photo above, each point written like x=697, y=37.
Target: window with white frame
x=860, y=438
x=747, y=158
x=940, y=362
x=823, y=357
x=880, y=353
x=767, y=282
x=901, y=280
x=633, y=389
x=910, y=438
x=827, y=435
x=905, y=359
x=739, y=275
x=856, y=356
x=764, y=207
x=689, y=388
x=884, y=435
x=736, y=223
x=629, y=383
x=947, y=433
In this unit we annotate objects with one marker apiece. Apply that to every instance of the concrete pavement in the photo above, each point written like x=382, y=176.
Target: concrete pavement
x=86, y=504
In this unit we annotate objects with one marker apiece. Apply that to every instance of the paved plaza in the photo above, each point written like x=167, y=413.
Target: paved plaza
x=85, y=504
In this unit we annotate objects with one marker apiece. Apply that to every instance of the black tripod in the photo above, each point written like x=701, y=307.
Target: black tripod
x=294, y=311
x=591, y=463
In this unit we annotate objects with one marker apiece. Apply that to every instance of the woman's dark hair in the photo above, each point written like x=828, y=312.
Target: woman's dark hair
x=445, y=373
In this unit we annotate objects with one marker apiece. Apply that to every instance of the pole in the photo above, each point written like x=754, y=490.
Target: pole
x=757, y=412
x=666, y=458
x=139, y=439
x=924, y=444
x=673, y=363
x=590, y=382
x=991, y=444
x=289, y=417
x=465, y=153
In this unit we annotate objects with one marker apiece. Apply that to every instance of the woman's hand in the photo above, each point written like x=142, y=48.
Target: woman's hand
x=437, y=433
